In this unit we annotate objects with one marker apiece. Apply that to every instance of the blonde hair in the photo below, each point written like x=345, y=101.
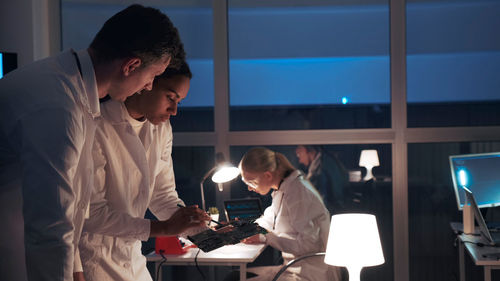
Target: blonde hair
x=261, y=159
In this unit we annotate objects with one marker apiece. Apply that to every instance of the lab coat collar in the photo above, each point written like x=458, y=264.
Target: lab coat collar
x=286, y=182
x=89, y=81
x=117, y=114
x=314, y=166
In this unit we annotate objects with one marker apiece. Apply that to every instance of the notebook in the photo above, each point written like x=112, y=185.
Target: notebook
x=243, y=209
x=493, y=238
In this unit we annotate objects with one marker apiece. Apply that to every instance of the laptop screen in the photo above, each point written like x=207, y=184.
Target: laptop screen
x=480, y=173
x=245, y=209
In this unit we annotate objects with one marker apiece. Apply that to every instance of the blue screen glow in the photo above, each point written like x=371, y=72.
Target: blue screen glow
x=478, y=173
x=1, y=65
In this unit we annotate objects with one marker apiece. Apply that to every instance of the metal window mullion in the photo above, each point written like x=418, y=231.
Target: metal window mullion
x=221, y=84
x=397, y=27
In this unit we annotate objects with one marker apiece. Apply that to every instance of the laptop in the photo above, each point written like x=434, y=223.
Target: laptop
x=243, y=209
x=493, y=238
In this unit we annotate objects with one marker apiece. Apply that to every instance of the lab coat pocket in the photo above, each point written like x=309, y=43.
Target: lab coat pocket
x=121, y=250
x=91, y=248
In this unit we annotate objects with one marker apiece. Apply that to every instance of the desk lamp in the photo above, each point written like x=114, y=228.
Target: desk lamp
x=467, y=215
x=369, y=159
x=222, y=172
x=354, y=242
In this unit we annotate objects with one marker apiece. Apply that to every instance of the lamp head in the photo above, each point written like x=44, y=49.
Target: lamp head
x=462, y=178
x=369, y=158
x=225, y=173
x=354, y=241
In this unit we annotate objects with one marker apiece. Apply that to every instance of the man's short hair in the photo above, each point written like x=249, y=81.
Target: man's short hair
x=138, y=31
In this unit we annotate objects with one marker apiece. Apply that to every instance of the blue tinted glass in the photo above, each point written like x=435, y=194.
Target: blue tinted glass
x=81, y=21
x=309, y=66
x=453, y=61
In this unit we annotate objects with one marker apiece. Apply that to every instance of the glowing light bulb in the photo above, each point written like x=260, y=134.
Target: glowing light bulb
x=344, y=100
x=462, y=178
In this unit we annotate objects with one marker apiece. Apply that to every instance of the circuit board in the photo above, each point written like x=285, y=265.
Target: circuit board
x=232, y=233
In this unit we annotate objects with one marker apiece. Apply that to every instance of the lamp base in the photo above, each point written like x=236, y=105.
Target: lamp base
x=354, y=273
x=369, y=174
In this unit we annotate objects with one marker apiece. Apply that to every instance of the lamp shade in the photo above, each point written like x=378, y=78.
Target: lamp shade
x=354, y=241
x=369, y=158
x=225, y=173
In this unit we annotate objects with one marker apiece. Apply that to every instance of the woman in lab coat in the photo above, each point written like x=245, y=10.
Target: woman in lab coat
x=297, y=220
x=133, y=171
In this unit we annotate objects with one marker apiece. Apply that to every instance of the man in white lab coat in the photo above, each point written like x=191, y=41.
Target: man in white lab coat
x=134, y=172
x=47, y=123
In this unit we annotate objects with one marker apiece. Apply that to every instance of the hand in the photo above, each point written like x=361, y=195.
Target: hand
x=255, y=239
x=78, y=276
x=183, y=219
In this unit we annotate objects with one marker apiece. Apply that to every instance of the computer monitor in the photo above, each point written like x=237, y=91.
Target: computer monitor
x=8, y=62
x=481, y=174
x=243, y=209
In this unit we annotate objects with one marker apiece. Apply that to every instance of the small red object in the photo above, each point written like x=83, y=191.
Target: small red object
x=170, y=245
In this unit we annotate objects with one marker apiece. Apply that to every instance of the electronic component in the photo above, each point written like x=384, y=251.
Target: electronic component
x=232, y=233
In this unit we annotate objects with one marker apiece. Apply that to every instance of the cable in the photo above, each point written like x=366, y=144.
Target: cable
x=197, y=266
x=161, y=263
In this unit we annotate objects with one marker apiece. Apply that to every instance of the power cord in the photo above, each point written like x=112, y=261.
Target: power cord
x=161, y=263
x=197, y=266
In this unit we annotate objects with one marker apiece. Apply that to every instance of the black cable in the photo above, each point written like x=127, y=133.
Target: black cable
x=294, y=261
x=161, y=263
x=197, y=266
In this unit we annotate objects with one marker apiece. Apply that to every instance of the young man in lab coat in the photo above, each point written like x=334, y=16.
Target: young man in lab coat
x=48, y=111
x=134, y=172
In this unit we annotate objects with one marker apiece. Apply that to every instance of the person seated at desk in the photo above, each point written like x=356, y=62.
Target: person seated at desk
x=132, y=155
x=297, y=220
x=327, y=173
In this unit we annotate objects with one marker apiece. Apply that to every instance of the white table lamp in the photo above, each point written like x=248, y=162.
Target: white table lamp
x=354, y=242
x=369, y=159
x=222, y=172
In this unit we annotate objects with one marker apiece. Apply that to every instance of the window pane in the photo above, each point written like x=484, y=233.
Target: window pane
x=81, y=21
x=190, y=165
x=340, y=170
x=453, y=60
x=309, y=66
x=433, y=205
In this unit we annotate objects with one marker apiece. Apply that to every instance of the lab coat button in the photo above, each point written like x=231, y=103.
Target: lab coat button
x=81, y=205
x=126, y=265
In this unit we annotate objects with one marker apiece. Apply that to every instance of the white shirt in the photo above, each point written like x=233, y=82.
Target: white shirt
x=133, y=173
x=47, y=113
x=298, y=224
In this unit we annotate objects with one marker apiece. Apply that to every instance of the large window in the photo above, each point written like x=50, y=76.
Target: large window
x=309, y=66
x=432, y=206
x=81, y=21
x=453, y=63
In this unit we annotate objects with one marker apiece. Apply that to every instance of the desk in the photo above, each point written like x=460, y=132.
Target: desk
x=477, y=253
x=230, y=255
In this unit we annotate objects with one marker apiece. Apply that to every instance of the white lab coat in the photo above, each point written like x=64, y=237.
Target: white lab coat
x=298, y=224
x=133, y=173
x=47, y=113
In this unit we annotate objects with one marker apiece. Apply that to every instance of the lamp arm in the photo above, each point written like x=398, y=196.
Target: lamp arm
x=205, y=177
x=290, y=263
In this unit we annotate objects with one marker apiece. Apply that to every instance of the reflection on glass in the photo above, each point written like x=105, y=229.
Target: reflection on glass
x=433, y=205
x=328, y=167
